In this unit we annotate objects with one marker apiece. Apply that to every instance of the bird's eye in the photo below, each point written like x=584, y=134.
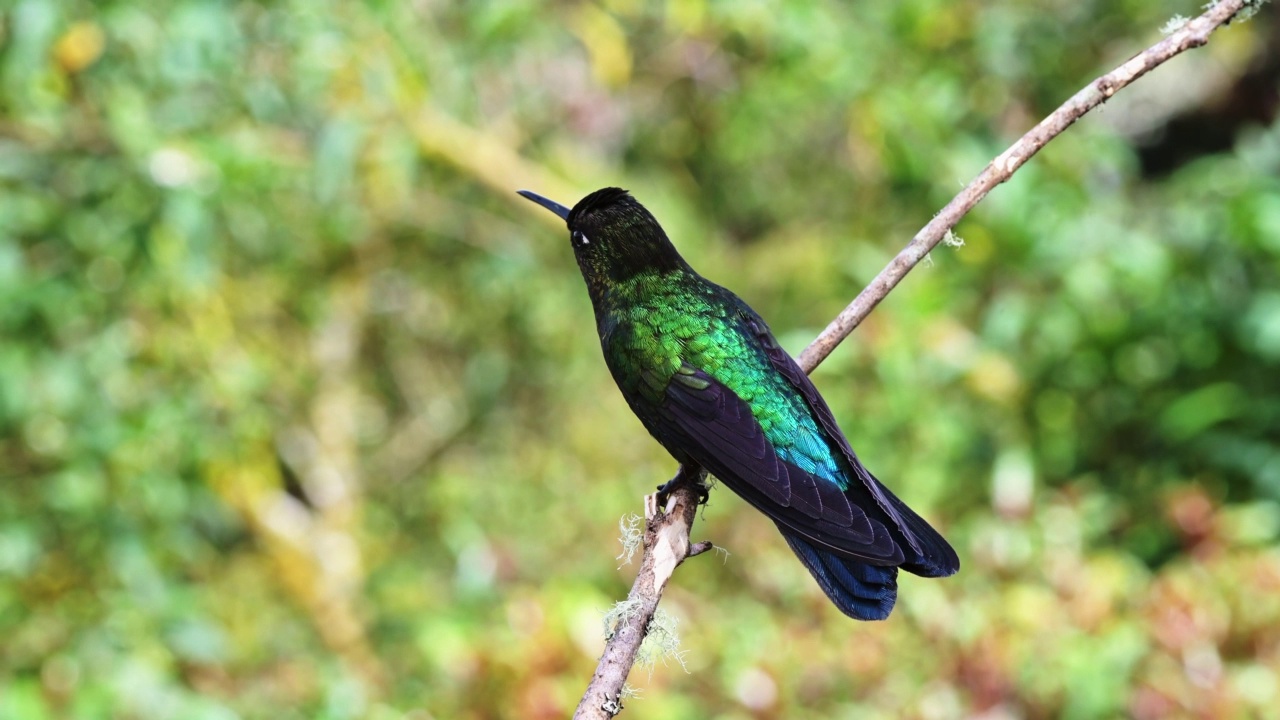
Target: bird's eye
x=579, y=239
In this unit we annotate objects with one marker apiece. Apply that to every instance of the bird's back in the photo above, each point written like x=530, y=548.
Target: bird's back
x=665, y=324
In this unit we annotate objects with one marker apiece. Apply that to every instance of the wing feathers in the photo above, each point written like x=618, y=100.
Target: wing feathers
x=730, y=444
x=929, y=554
x=863, y=522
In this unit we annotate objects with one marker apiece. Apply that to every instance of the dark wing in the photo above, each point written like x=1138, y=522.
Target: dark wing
x=715, y=427
x=928, y=553
x=709, y=422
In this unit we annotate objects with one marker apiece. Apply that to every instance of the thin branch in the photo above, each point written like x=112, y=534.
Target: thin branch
x=1191, y=35
x=666, y=539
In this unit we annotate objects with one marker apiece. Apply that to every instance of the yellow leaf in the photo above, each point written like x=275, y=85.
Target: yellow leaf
x=79, y=47
x=606, y=44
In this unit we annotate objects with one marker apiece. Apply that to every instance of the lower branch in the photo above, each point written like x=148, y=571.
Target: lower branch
x=666, y=545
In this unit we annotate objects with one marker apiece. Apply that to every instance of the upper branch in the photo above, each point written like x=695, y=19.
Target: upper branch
x=1191, y=35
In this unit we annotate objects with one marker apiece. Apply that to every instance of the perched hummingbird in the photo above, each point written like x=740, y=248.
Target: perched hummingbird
x=705, y=375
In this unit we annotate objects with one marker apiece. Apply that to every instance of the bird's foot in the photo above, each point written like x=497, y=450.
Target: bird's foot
x=687, y=474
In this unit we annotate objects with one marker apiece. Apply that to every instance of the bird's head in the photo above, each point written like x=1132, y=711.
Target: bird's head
x=614, y=237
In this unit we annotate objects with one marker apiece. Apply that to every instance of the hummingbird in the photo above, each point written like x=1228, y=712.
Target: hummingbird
x=709, y=381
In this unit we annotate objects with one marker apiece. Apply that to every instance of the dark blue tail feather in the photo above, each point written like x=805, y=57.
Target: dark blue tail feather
x=861, y=591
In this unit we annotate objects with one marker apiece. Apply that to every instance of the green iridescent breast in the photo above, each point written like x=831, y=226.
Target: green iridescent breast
x=663, y=324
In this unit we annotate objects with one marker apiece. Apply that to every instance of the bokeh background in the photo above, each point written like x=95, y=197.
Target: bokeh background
x=302, y=413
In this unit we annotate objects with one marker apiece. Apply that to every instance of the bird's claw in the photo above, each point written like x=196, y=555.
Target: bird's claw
x=695, y=476
x=703, y=492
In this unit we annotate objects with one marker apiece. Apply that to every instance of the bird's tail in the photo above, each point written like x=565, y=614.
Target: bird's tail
x=861, y=591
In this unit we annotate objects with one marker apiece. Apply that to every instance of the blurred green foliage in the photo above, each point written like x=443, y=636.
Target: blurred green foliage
x=302, y=412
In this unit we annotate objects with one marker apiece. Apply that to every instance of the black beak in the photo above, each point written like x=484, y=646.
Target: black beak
x=551, y=205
